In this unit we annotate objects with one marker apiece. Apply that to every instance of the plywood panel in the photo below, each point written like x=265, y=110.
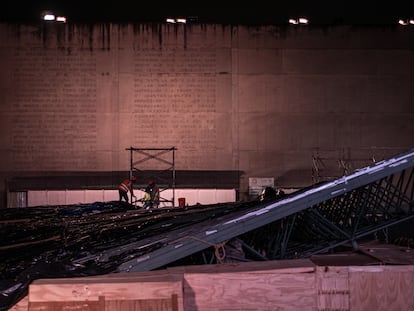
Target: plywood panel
x=381, y=288
x=22, y=305
x=145, y=291
x=282, y=266
x=332, y=288
x=273, y=285
x=65, y=305
x=142, y=305
x=250, y=291
x=111, y=291
x=170, y=304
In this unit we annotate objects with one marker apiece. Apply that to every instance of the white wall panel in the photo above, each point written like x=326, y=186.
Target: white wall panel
x=75, y=196
x=68, y=197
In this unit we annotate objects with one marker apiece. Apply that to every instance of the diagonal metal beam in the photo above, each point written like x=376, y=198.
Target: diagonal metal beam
x=233, y=226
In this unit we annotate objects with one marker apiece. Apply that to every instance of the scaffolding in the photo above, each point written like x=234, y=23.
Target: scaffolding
x=165, y=178
x=328, y=165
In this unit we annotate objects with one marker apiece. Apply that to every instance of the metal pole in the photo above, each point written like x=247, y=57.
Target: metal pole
x=173, y=178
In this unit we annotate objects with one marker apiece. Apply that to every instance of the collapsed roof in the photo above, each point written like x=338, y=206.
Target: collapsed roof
x=111, y=237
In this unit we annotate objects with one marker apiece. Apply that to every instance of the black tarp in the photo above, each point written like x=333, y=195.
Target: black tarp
x=65, y=241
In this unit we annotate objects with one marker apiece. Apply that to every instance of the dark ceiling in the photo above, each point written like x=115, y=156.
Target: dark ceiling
x=320, y=12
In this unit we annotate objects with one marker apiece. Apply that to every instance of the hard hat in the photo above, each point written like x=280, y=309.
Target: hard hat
x=133, y=178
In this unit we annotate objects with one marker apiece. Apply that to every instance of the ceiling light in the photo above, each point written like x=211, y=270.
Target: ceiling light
x=181, y=20
x=61, y=19
x=297, y=21
x=48, y=16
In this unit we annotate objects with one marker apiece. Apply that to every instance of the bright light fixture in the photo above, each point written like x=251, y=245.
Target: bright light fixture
x=181, y=20
x=61, y=19
x=176, y=20
x=297, y=21
x=406, y=22
x=49, y=17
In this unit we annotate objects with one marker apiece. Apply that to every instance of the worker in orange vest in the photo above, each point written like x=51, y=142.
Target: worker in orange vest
x=125, y=186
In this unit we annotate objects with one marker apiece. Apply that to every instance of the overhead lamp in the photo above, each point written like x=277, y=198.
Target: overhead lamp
x=298, y=21
x=176, y=20
x=181, y=20
x=61, y=19
x=405, y=22
x=48, y=16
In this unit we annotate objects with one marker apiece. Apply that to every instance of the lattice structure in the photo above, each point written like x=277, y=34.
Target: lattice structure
x=311, y=221
x=159, y=157
x=328, y=165
x=342, y=220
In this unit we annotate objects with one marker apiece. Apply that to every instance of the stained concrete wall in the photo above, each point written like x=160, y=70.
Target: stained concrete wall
x=296, y=104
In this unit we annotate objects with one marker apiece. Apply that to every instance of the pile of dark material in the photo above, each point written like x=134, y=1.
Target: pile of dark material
x=47, y=242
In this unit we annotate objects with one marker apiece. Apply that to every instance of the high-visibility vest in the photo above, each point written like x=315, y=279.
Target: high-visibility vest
x=126, y=185
x=152, y=193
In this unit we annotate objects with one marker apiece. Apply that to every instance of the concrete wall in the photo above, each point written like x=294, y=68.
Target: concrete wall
x=269, y=101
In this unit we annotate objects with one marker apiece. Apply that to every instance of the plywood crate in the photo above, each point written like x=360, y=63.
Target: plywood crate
x=116, y=293
x=267, y=286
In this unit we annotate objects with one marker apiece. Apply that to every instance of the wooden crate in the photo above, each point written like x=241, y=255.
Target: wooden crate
x=115, y=293
x=272, y=285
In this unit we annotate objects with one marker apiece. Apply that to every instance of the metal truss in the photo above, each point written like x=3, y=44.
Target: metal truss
x=311, y=221
x=339, y=221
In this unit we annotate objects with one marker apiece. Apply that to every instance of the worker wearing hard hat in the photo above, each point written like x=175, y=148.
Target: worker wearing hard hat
x=152, y=195
x=125, y=186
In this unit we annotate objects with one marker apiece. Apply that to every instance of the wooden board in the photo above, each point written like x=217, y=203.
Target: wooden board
x=332, y=288
x=136, y=292
x=381, y=288
x=283, y=266
x=170, y=304
x=389, y=253
x=230, y=287
x=22, y=305
x=270, y=290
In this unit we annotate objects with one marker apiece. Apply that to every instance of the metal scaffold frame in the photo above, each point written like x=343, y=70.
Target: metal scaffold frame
x=155, y=154
x=328, y=165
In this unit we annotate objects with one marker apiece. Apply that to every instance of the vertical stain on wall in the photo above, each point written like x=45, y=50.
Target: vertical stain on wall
x=91, y=27
x=157, y=31
x=105, y=33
